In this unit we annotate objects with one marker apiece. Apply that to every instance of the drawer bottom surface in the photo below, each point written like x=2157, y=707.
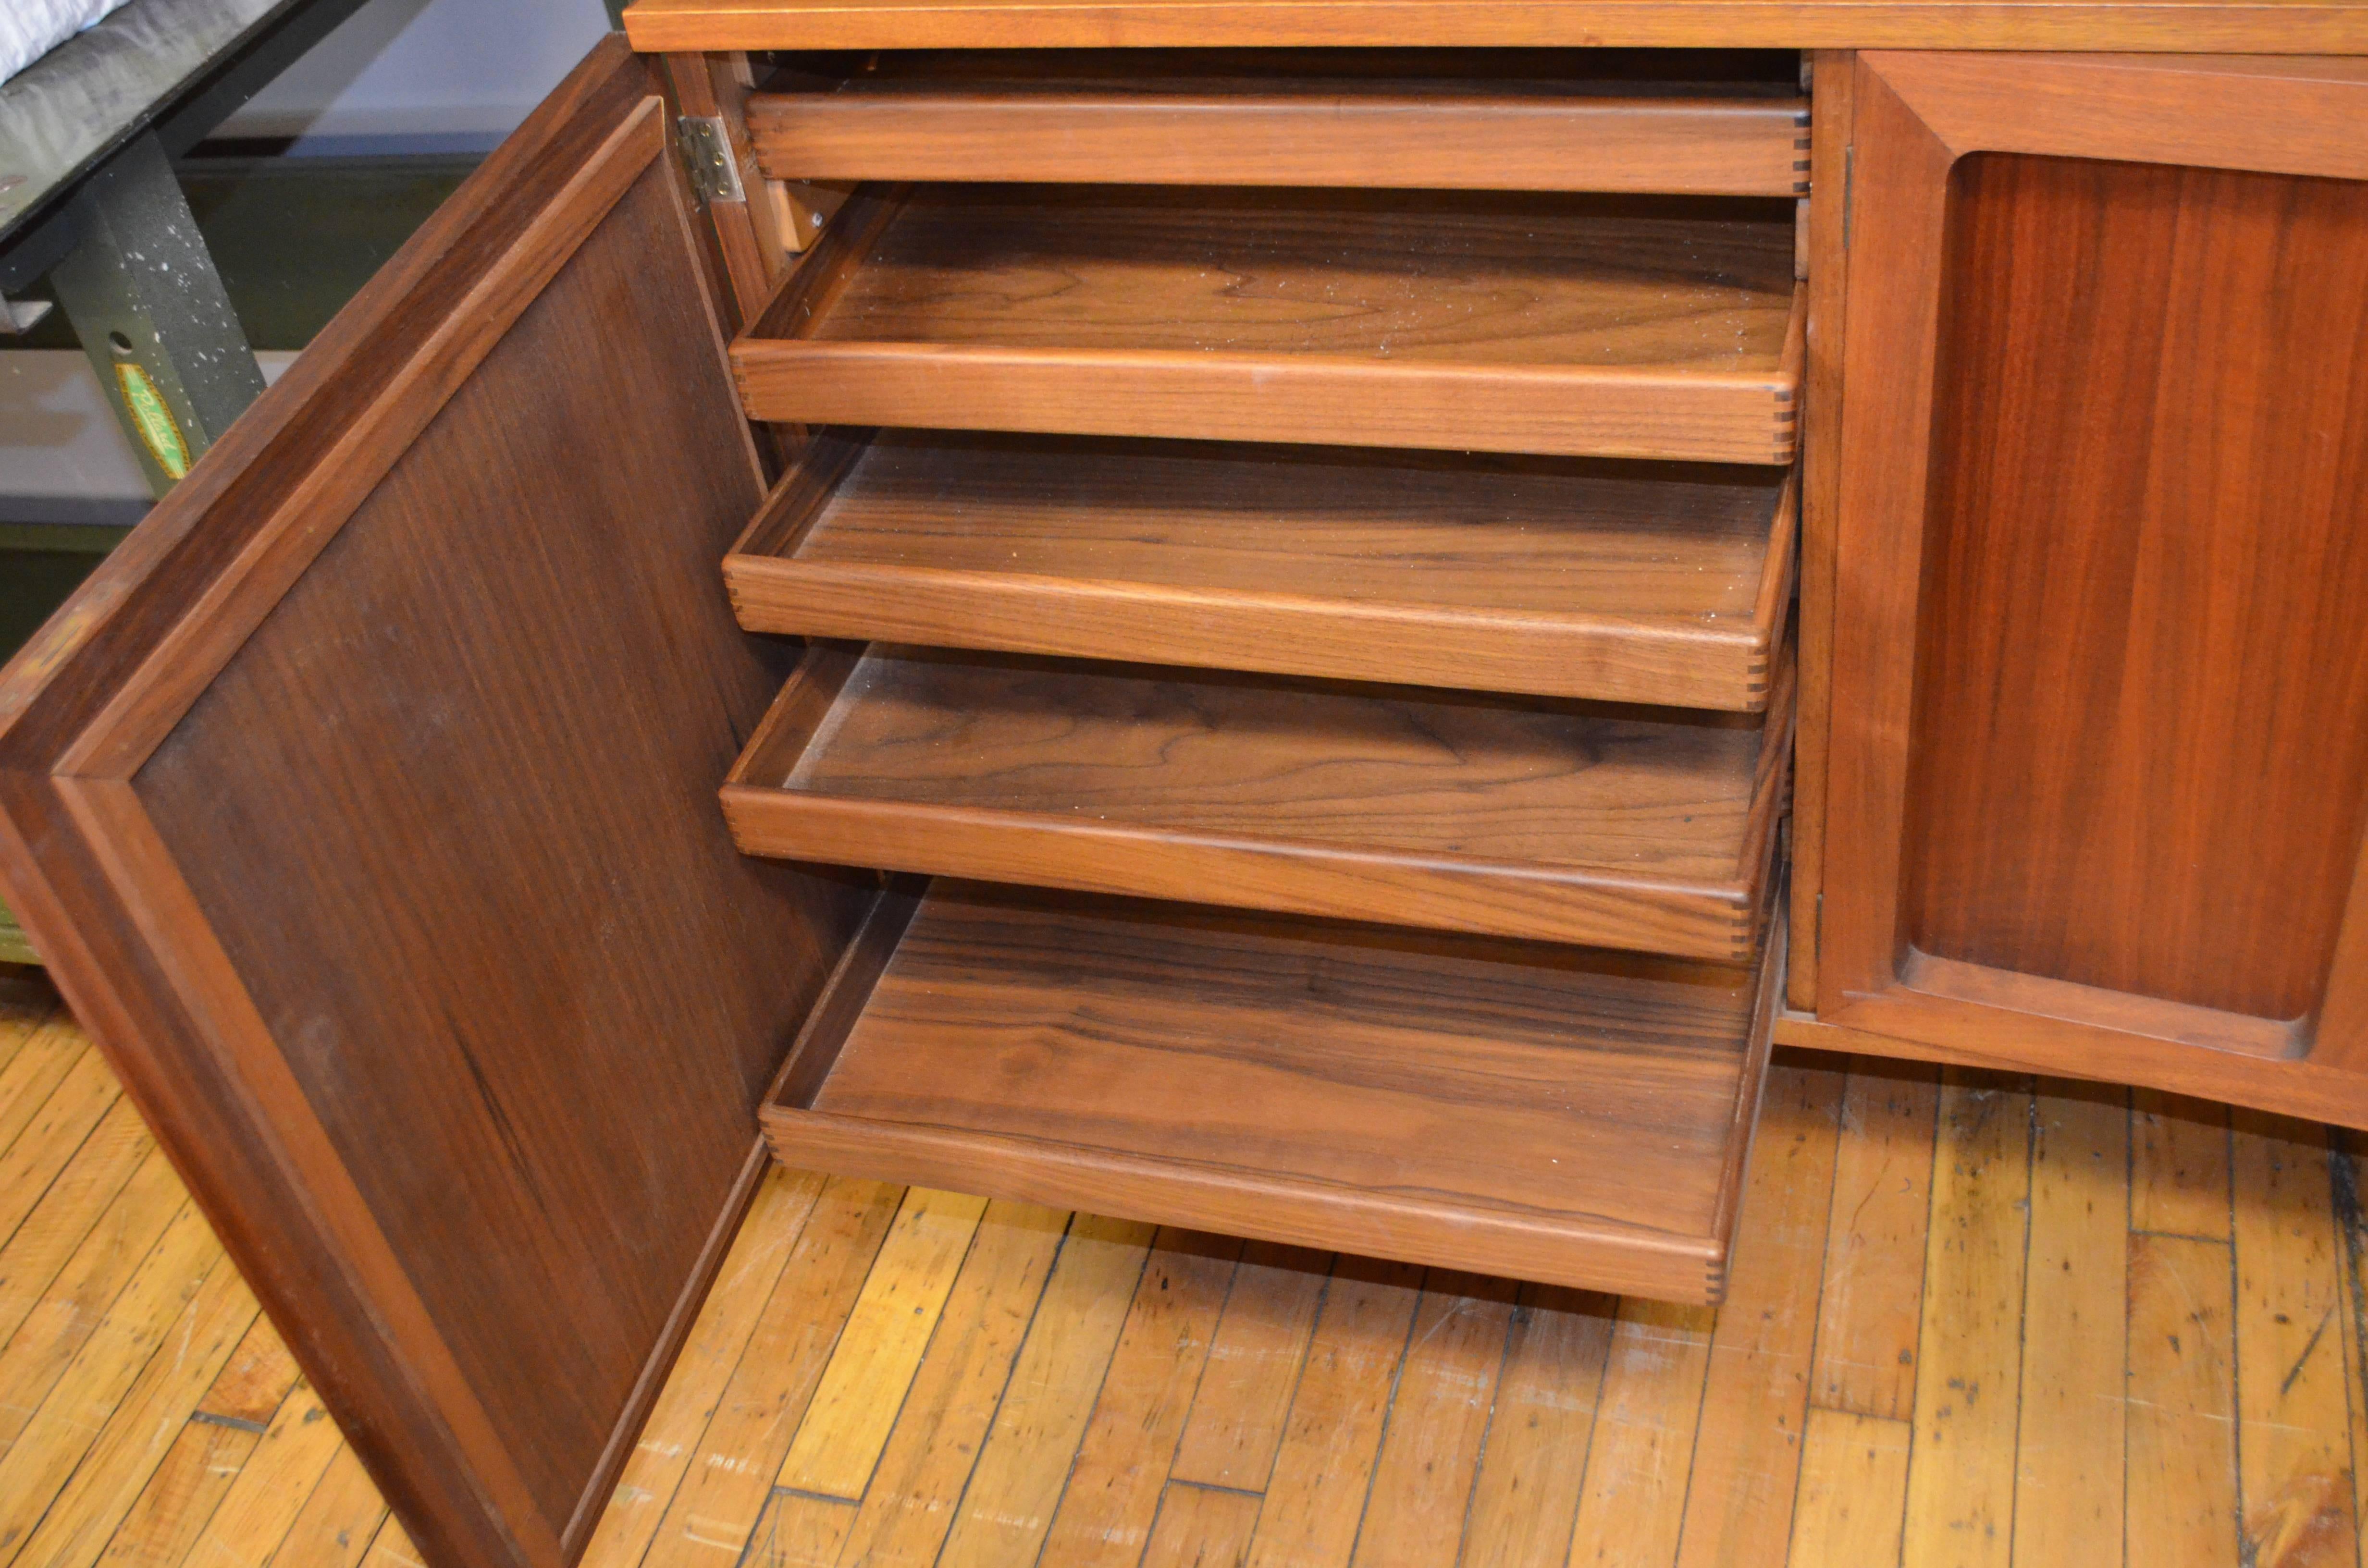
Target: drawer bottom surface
x=1568, y=1115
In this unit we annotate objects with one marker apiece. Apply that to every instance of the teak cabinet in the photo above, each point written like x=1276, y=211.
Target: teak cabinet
x=1242, y=628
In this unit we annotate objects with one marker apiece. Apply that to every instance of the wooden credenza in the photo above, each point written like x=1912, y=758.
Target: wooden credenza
x=1317, y=621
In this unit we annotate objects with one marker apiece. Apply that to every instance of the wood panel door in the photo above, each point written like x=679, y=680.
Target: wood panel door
x=363, y=805
x=2098, y=767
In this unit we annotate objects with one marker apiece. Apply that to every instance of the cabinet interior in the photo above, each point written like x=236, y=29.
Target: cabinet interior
x=1312, y=645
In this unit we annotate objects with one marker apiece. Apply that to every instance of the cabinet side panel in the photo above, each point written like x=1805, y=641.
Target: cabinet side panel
x=449, y=812
x=2138, y=759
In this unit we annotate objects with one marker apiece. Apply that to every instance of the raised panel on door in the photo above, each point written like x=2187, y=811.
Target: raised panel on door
x=362, y=805
x=2099, y=781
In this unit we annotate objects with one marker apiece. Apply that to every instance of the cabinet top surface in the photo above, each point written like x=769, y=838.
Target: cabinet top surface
x=2280, y=27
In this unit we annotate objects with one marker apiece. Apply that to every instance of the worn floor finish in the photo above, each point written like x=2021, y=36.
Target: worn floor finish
x=1971, y=1324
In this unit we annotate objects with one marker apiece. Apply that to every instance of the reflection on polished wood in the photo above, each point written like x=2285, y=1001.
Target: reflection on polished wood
x=2048, y=1322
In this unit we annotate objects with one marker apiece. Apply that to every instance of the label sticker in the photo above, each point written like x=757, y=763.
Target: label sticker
x=152, y=419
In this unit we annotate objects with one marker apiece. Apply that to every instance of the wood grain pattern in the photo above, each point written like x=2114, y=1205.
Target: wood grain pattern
x=1853, y=1490
x=2070, y=1443
x=1422, y=808
x=1826, y=235
x=491, y=1297
x=1009, y=1501
x=1339, y=1413
x=946, y=1414
x=2153, y=784
x=2294, y=1432
x=1525, y=1495
x=667, y=1446
x=1200, y=1526
x=1573, y=1117
x=1854, y=1469
x=1422, y=1479
x=1353, y=131
x=2279, y=25
x=1560, y=577
x=1877, y=1228
x=846, y=1422
x=1747, y=1449
x=2215, y=111
x=2179, y=1174
x=2167, y=923
x=723, y=1493
x=2182, y=1418
x=1581, y=325
x=1157, y=1373
x=1632, y=1508
x=1961, y=1502
x=1244, y=1397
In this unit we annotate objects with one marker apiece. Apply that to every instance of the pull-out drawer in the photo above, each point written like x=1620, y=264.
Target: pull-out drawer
x=1550, y=323
x=1647, y=829
x=1539, y=119
x=1558, y=1114
x=1562, y=577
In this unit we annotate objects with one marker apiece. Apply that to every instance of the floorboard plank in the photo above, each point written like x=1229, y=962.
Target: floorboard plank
x=2295, y=1430
x=2069, y=1444
x=1525, y=1498
x=2182, y=1502
x=1746, y=1461
x=1253, y=1364
x=170, y=1513
x=1422, y=1485
x=1961, y=1475
x=339, y=1524
x=1323, y=1470
x=392, y=1547
x=65, y=1373
x=846, y=1424
x=917, y=1485
x=282, y=1473
x=42, y=1062
x=1853, y=1491
x=49, y=1141
x=2352, y=1267
x=799, y=1529
x=207, y=1454
x=694, y=1389
x=1007, y=1508
x=1202, y=1526
x=1632, y=1502
x=59, y=1224
x=132, y=1438
x=1112, y=1499
x=722, y=1497
x=2179, y=1159
x=1868, y=1311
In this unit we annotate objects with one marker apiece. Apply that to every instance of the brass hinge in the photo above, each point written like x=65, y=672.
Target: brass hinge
x=706, y=149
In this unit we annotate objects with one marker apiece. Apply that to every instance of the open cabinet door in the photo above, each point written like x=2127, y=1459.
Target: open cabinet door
x=364, y=806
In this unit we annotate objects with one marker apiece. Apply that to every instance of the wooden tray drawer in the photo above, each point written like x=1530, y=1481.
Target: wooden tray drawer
x=1645, y=829
x=1610, y=326
x=1573, y=1117
x=1561, y=577
x=1705, y=123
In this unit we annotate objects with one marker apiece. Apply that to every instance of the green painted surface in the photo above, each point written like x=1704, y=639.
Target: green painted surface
x=152, y=419
x=13, y=948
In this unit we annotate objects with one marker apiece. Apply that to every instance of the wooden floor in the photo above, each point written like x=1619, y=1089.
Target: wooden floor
x=1969, y=1323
